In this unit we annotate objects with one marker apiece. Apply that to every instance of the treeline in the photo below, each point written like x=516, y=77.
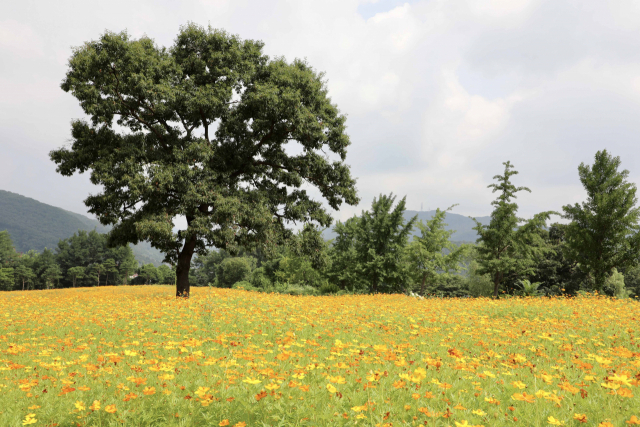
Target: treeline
x=80, y=260
x=598, y=250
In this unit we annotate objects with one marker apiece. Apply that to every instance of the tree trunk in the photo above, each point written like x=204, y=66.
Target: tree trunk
x=23, y=284
x=182, y=268
x=424, y=281
x=496, y=284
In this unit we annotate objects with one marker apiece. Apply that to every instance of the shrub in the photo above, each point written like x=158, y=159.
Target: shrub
x=244, y=285
x=232, y=270
x=329, y=288
x=260, y=280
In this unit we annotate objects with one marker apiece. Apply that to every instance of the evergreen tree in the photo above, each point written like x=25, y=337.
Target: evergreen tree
x=506, y=250
x=110, y=267
x=604, y=232
x=148, y=273
x=24, y=275
x=8, y=255
x=432, y=255
x=342, y=253
x=75, y=273
x=379, y=241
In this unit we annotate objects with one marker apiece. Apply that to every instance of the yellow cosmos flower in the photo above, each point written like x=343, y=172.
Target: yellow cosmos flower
x=29, y=419
x=554, y=422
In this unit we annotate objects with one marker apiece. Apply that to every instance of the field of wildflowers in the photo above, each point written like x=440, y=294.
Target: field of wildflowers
x=136, y=356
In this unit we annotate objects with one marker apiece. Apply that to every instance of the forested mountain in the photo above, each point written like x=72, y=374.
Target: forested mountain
x=462, y=224
x=36, y=225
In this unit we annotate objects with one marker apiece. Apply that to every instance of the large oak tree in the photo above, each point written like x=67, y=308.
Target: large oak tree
x=211, y=130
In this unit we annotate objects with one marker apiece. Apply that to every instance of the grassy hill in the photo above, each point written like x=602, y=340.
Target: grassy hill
x=463, y=225
x=35, y=225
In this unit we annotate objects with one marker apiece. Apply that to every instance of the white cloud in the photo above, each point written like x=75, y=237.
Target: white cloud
x=438, y=93
x=19, y=39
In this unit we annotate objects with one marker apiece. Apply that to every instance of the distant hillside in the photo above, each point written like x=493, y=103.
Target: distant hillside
x=35, y=225
x=461, y=224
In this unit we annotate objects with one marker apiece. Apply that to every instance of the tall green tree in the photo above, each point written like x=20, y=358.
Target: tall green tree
x=8, y=255
x=84, y=249
x=127, y=267
x=46, y=268
x=95, y=271
x=209, y=125
x=75, y=273
x=556, y=273
x=148, y=273
x=432, y=255
x=604, y=232
x=506, y=249
x=51, y=276
x=234, y=269
x=380, y=239
x=165, y=275
x=6, y=278
x=343, y=270
x=110, y=267
x=23, y=275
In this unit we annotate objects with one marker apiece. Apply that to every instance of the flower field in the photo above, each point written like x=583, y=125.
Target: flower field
x=136, y=356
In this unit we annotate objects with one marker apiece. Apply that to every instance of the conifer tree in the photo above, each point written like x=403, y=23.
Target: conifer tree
x=507, y=250
x=427, y=251
x=604, y=233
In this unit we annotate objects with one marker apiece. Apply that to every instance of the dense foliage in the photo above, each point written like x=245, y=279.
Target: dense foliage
x=212, y=130
x=84, y=259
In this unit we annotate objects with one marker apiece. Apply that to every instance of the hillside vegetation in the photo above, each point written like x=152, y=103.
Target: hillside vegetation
x=34, y=225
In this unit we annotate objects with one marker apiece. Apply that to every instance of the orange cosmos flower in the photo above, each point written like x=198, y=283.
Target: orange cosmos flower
x=524, y=397
x=580, y=417
x=110, y=408
x=633, y=420
x=149, y=391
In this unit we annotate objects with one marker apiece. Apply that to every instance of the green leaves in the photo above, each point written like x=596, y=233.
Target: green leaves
x=507, y=250
x=370, y=248
x=604, y=232
x=427, y=252
x=209, y=124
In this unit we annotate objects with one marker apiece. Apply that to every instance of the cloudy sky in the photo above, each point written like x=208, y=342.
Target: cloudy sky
x=438, y=93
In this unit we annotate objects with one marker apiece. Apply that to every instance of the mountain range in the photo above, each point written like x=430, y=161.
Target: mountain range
x=35, y=225
x=462, y=225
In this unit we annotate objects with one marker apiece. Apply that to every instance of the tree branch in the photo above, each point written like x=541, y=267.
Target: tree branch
x=205, y=124
x=137, y=117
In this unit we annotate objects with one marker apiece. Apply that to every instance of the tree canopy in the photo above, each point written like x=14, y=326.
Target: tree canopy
x=505, y=249
x=433, y=256
x=604, y=233
x=214, y=131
